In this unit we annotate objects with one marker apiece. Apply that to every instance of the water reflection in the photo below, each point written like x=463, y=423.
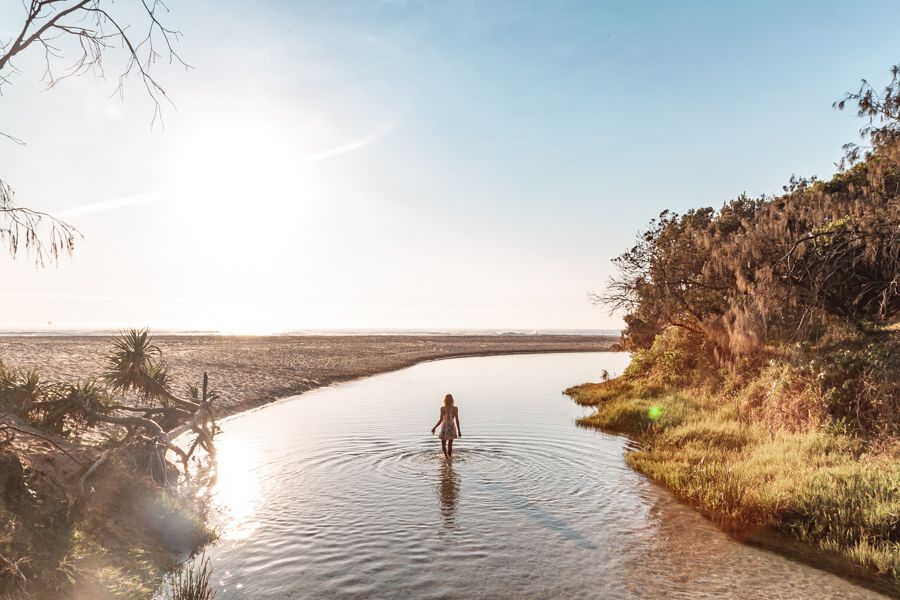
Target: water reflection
x=237, y=488
x=448, y=491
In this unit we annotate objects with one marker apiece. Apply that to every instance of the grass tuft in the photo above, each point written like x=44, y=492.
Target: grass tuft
x=192, y=581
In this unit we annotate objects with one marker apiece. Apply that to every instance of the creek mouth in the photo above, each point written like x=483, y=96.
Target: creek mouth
x=344, y=493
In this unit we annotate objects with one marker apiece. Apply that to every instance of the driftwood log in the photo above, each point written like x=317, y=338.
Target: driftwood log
x=196, y=417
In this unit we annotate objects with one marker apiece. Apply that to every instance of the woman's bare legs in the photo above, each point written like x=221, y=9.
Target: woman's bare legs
x=449, y=448
x=444, y=448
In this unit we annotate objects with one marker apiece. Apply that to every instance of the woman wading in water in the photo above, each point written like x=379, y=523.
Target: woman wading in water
x=449, y=424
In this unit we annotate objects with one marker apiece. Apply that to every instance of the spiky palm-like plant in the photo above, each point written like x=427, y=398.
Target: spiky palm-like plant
x=19, y=389
x=192, y=392
x=6, y=379
x=86, y=400
x=135, y=365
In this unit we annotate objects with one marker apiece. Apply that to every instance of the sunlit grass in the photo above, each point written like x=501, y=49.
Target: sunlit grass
x=632, y=414
x=818, y=486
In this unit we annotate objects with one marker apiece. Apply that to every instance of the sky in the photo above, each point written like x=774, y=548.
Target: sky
x=414, y=165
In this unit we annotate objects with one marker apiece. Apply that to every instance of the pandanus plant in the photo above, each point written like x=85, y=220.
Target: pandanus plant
x=135, y=365
x=20, y=389
x=71, y=408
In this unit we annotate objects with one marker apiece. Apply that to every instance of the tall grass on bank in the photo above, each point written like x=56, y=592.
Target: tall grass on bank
x=192, y=581
x=824, y=488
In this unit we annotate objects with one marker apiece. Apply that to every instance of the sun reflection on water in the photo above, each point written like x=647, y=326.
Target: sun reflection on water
x=237, y=491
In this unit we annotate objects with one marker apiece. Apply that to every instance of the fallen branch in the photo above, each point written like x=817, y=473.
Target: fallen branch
x=90, y=472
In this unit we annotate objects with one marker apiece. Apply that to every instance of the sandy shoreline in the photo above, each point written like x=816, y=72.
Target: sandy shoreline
x=252, y=371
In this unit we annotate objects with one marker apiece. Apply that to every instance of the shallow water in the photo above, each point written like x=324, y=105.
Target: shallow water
x=343, y=492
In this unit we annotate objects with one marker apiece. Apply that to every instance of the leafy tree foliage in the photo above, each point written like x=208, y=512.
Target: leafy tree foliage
x=767, y=270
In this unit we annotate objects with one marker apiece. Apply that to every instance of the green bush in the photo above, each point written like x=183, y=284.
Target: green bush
x=677, y=358
x=856, y=381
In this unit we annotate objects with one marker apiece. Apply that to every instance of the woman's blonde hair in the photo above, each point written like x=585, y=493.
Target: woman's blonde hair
x=448, y=400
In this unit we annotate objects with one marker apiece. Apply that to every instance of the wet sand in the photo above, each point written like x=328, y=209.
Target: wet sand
x=250, y=371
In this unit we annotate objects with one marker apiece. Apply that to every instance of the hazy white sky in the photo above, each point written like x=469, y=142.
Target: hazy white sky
x=416, y=164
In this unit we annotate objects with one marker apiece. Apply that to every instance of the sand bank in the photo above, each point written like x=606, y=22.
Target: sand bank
x=250, y=371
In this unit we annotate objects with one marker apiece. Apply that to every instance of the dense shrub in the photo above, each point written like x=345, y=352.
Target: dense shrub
x=856, y=381
x=676, y=358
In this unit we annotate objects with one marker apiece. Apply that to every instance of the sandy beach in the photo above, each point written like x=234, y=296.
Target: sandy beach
x=250, y=371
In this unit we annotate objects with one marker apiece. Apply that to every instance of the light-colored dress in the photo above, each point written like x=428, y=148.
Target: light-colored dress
x=448, y=426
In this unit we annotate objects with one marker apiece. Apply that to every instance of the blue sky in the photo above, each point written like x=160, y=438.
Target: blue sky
x=418, y=164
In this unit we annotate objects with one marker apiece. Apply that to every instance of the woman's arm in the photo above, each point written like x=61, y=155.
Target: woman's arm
x=440, y=418
x=458, y=427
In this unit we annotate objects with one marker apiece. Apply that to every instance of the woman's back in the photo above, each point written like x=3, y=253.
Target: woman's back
x=449, y=424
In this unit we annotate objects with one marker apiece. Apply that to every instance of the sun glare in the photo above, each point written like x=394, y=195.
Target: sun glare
x=225, y=160
x=245, y=207
x=237, y=489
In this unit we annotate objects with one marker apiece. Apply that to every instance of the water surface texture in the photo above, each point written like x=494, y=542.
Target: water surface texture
x=343, y=493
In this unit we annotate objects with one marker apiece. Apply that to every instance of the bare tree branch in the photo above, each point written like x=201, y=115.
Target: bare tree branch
x=39, y=233
x=87, y=30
